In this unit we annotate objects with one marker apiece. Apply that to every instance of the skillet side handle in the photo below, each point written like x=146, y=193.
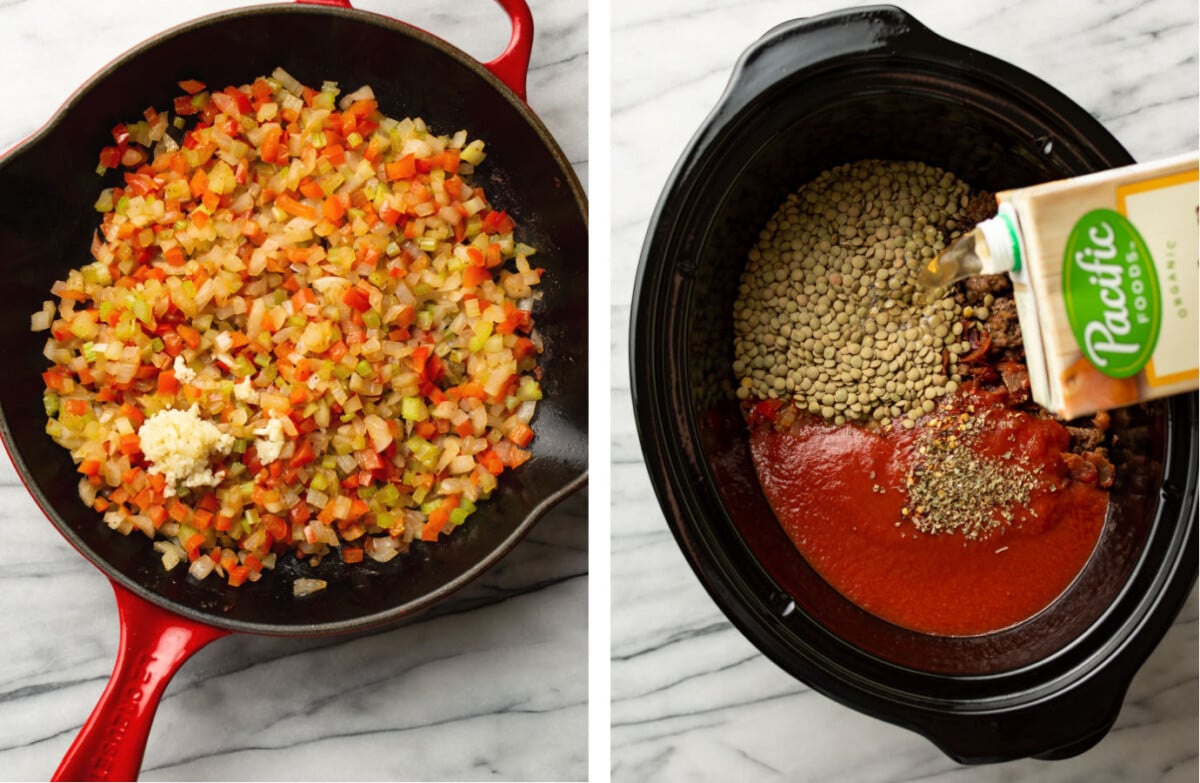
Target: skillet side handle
x=512, y=66
x=154, y=643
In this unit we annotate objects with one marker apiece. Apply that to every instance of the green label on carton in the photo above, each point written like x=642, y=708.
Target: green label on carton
x=1111, y=292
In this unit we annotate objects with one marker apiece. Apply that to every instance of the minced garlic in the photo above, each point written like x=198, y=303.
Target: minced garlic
x=178, y=444
x=270, y=442
x=183, y=373
x=244, y=391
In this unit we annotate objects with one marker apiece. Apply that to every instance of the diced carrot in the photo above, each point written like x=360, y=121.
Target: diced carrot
x=157, y=514
x=270, y=147
x=356, y=299
x=491, y=462
x=195, y=540
x=189, y=335
x=144, y=499
x=57, y=381
x=333, y=210
x=293, y=207
x=298, y=514
x=437, y=520
x=202, y=519
x=473, y=276
x=311, y=189
x=237, y=575
x=198, y=184
x=191, y=86
x=405, y=168
x=179, y=511
x=90, y=467
x=425, y=429
x=352, y=554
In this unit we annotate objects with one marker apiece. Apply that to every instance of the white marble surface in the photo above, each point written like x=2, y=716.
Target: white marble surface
x=691, y=698
x=491, y=685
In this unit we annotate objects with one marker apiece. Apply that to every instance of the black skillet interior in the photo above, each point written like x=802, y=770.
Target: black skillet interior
x=812, y=94
x=47, y=188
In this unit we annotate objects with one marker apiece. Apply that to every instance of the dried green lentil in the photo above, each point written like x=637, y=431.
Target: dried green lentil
x=837, y=263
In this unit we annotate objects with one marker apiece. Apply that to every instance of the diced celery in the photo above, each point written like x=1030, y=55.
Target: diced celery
x=388, y=495
x=460, y=514
x=483, y=330
x=242, y=367
x=50, y=402
x=141, y=309
x=105, y=202
x=529, y=390
x=473, y=153
x=364, y=369
x=423, y=452
x=424, y=319
x=413, y=409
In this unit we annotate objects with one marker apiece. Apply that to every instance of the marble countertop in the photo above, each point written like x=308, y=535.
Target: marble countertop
x=692, y=699
x=503, y=693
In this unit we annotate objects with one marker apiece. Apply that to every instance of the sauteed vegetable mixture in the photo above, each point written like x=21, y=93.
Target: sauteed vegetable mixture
x=303, y=330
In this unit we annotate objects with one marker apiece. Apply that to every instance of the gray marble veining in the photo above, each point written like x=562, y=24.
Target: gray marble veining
x=691, y=698
x=491, y=684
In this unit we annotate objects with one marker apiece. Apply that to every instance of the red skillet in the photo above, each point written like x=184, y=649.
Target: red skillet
x=47, y=186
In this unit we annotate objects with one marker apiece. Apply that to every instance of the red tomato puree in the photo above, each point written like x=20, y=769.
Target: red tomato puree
x=840, y=493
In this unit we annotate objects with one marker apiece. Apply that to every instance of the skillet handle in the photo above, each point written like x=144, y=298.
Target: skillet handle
x=154, y=643
x=512, y=66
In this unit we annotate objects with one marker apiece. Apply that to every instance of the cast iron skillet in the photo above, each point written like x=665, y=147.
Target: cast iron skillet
x=47, y=186
x=813, y=93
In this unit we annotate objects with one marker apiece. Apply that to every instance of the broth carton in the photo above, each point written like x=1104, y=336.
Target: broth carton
x=1105, y=280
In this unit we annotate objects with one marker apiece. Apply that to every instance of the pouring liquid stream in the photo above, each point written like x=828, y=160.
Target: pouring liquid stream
x=957, y=262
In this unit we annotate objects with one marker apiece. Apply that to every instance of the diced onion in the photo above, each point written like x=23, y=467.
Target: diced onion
x=303, y=587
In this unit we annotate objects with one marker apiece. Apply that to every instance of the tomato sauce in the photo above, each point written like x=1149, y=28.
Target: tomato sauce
x=841, y=494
